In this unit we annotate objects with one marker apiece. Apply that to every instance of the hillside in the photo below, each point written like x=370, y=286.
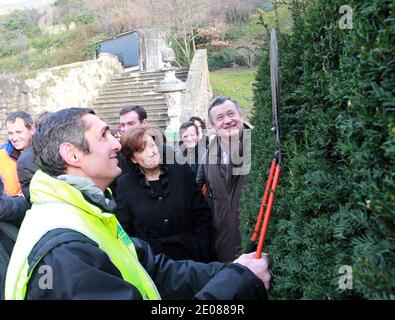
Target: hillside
x=67, y=31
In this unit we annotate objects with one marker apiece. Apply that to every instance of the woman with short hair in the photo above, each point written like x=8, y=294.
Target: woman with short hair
x=161, y=203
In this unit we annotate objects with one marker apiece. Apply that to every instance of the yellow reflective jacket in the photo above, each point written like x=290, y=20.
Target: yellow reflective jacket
x=57, y=204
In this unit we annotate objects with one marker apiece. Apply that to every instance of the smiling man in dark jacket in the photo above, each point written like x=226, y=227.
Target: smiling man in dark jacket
x=224, y=171
x=70, y=245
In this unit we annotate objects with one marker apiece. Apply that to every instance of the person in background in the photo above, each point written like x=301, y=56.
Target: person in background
x=117, y=133
x=191, y=149
x=26, y=164
x=161, y=203
x=20, y=131
x=132, y=117
x=202, y=129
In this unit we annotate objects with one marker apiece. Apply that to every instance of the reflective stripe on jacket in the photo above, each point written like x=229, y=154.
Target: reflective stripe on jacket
x=57, y=204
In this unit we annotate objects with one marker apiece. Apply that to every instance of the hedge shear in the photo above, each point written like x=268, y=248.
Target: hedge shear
x=272, y=182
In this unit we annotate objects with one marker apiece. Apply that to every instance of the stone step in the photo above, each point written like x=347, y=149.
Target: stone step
x=115, y=110
x=151, y=117
x=135, y=74
x=114, y=122
x=120, y=93
x=147, y=78
x=131, y=86
x=137, y=82
x=115, y=119
x=152, y=114
x=135, y=88
x=139, y=73
x=129, y=90
x=156, y=77
x=127, y=98
x=130, y=93
x=123, y=104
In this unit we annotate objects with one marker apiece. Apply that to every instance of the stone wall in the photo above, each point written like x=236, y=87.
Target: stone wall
x=198, y=88
x=72, y=85
x=13, y=97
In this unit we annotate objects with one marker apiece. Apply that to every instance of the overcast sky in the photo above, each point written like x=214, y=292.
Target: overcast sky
x=10, y=1
x=7, y=6
x=26, y=3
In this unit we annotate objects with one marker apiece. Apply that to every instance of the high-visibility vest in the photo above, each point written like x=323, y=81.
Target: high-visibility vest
x=8, y=174
x=56, y=204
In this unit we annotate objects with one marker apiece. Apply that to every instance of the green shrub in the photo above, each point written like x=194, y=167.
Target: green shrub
x=19, y=20
x=56, y=40
x=335, y=201
x=233, y=33
x=83, y=18
x=221, y=58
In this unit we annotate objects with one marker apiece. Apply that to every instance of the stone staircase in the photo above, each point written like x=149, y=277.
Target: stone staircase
x=136, y=87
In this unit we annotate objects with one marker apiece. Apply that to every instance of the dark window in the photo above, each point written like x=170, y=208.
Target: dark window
x=126, y=47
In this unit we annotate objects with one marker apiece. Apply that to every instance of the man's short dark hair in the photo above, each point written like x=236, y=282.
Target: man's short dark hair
x=27, y=118
x=200, y=120
x=133, y=140
x=63, y=126
x=40, y=117
x=220, y=100
x=186, y=125
x=136, y=108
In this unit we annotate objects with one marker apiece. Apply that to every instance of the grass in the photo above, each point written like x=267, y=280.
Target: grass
x=236, y=84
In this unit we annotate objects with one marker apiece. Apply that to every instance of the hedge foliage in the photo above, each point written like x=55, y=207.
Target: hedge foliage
x=335, y=204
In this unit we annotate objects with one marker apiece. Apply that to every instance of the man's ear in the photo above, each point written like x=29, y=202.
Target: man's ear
x=70, y=154
x=33, y=129
x=145, y=121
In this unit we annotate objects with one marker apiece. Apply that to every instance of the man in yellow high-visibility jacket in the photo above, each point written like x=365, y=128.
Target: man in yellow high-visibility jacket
x=70, y=245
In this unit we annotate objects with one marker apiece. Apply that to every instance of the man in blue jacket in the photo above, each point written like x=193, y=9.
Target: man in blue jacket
x=70, y=245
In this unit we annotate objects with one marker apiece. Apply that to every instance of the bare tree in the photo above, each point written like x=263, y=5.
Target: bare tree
x=117, y=16
x=177, y=19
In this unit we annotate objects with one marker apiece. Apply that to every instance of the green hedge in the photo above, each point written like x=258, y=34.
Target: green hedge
x=335, y=202
x=223, y=58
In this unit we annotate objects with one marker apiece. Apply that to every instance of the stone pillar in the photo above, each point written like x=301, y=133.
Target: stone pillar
x=171, y=88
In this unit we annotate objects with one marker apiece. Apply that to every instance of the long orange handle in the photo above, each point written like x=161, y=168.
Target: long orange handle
x=268, y=212
x=264, y=202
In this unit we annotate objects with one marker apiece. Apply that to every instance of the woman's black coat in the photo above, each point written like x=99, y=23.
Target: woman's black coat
x=173, y=218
